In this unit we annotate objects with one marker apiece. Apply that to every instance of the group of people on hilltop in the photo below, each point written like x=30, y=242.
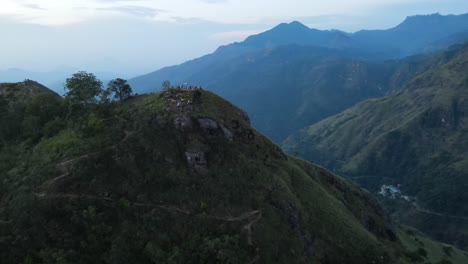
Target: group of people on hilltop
x=188, y=87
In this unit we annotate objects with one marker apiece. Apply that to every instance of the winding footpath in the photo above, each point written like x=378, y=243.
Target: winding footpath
x=427, y=211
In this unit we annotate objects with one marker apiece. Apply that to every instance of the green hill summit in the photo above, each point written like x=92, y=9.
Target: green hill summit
x=178, y=176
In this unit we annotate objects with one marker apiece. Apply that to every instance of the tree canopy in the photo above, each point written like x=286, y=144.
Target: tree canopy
x=166, y=85
x=83, y=88
x=119, y=88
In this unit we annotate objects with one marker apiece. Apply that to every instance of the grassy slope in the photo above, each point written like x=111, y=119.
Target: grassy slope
x=416, y=137
x=414, y=240
x=114, y=185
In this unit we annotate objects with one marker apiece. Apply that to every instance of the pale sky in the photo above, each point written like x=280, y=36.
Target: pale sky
x=137, y=36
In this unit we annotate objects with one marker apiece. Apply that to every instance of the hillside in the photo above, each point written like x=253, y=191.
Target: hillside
x=416, y=138
x=152, y=180
x=292, y=76
x=290, y=87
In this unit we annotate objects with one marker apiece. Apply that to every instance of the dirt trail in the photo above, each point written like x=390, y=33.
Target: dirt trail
x=127, y=135
x=427, y=211
x=254, y=260
x=246, y=215
x=64, y=166
x=107, y=199
x=254, y=216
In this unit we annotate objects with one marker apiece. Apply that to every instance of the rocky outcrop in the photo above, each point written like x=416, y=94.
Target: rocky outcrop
x=227, y=133
x=207, y=124
x=212, y=128
x=196, y=159
x=183, y=123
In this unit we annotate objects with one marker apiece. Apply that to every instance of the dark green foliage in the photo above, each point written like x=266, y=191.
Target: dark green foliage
x=26, y=110
x=83, y=89
x=420, y=247
x=448, y=250
x=120, y=89
x=414, y=256
x=118, y=185
x=444, y=261
x=422, y=252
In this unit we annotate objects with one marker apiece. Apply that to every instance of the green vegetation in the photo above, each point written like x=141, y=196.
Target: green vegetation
x=283, y=98
x=422, y=248
x=119, y=88
x=292, y=76
x=416, y=138
x=83, y=89
x=173, y=177
x=29, y=111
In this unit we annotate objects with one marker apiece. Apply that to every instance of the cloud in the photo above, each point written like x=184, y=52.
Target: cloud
x=239, y=12
x=115, y=1
x=234, y=35
x=138, y=11
x=34, y=6
x=214, y=1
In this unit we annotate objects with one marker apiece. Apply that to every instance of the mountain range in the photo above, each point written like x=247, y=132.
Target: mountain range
x=415, y=138
x=183, y=176
x=292, y=76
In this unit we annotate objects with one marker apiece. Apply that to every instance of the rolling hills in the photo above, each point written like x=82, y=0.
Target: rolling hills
x=153, y=180
x=178, y=176
x=415, y=138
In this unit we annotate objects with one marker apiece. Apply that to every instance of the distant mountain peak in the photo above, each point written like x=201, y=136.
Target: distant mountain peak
x=423, y=17
x=432, y=22
x=428, y=15
x=435, y=17
x=297, y=24
x=291, y=27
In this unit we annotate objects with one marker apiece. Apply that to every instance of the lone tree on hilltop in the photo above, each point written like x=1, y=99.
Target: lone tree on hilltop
x=120, y=89
x=83, y=88
x=166, y=85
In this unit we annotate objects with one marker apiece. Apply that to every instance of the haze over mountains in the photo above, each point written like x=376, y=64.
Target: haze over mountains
x=291, y=77
x=55, y=80
x=320, y=72
x=183, y=176
x=416, y=138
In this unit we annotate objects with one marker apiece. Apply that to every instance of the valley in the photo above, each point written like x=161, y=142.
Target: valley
x=415, y=138
x=295, y=145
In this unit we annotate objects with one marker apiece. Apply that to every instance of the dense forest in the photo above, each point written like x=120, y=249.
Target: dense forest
x=178, y=176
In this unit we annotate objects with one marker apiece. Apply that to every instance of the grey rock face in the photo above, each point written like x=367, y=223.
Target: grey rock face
x=196, y=160
x=207, y=124
x=227, y=133
x=183, y=123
